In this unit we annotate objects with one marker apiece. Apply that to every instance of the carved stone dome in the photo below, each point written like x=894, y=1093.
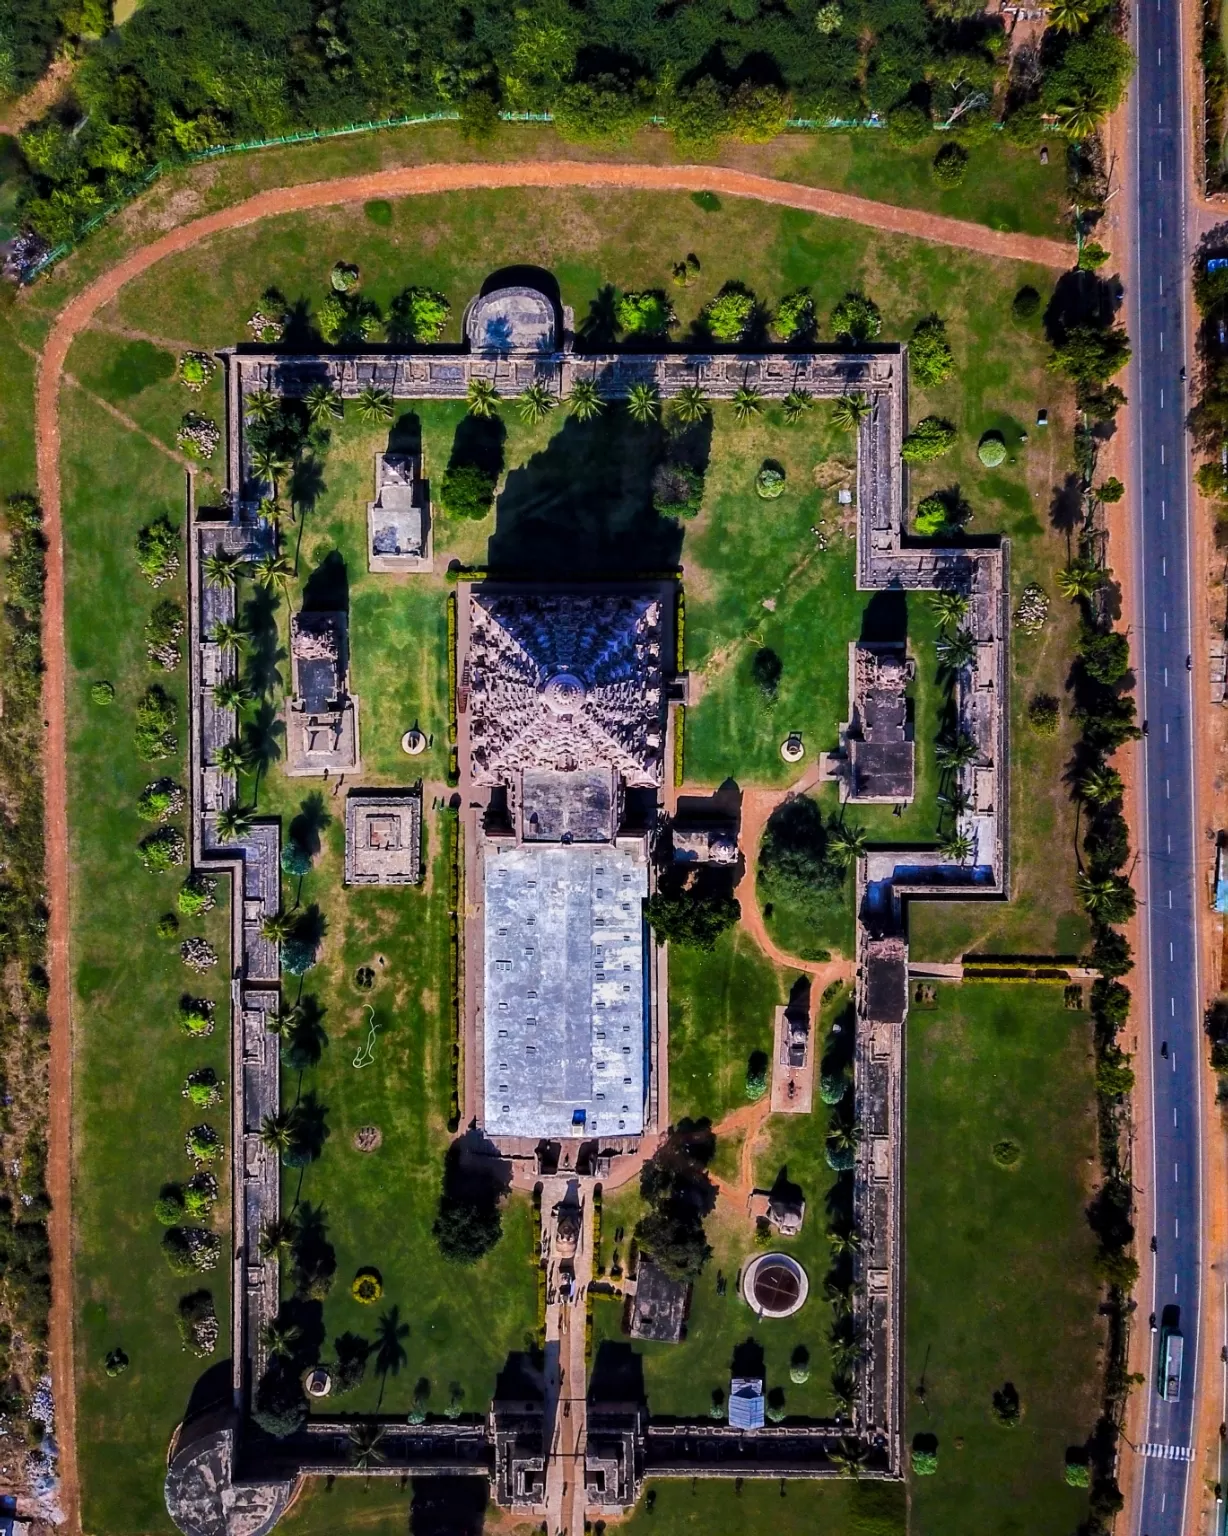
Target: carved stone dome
x=564, y=693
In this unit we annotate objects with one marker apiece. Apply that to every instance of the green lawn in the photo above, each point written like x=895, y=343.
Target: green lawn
x=131, y=1058
x=1000, y=1284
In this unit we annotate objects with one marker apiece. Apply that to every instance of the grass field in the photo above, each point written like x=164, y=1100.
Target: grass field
x=1000, y=1284
x=127, y=982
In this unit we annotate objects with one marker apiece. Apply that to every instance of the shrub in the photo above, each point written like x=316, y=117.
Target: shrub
x=1044, y=714
x=677, y=490
x=928, y=440
x=190, y=1250
x=279, y=1406
x=295, y=859
x=1078, y=1472
x=756, y=1076
x=202, y=1088
x=203, y=1144
x=201, y=1194
x=198, y=955
x=799, y=1366
x=468, y=490
x=794, y=317
x=116, y=1362
x=156, y=716
x=468, y=1222
x=103, y=693
x=160, y=799
x=832, y=1087
x=1116, y=1269
x=1113, y=490
x=197, y=894
x=908, y=124
x=644, y=313
x=198, y=436
x=195, y=370
x=157, y=551
x=344, y=277
x=930, y=518
x=775, y=1409
x=1105, y=657
x=1025, y=303
x=367, y=1287
x=297, y=956
x=766, y=668
x=729, y=314
x=420, y=314
x=1093, y=256
x=196, y=1016
x=770, y=481
x=379, y=211
x=167, y=926
x=602, y=110
x=198, y=1325
x=856, y=319
x=950, y=165
x=163, y=632
x=169, y=1206
x=163, y=849
x=757, y=113
x=930, y=360
x=991, y=450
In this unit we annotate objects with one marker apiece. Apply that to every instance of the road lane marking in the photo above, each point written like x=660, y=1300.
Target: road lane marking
x=1161, y=399
x=1161, y=453
x=1170, y=956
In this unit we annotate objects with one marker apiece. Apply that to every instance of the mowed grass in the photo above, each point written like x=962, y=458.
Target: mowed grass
x=130, y=1057
x=999, y=1261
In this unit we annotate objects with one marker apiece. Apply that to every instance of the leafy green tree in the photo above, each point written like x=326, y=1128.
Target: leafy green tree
x=928, y=440
x=856, y=319
x=644, y=313
x=930, y=360
x=468, y=490
x=1091, y=354
x=606, y=109
x=1105, y=656
x=693, y=918
x=729, y=314
x=794, y=317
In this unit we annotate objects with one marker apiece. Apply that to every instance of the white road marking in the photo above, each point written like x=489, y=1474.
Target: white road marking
x=1161, y=453
x=1164, y=564
x=1170, y=957
x=1166, y=731
x=1161, y=399
x=1175, y=1173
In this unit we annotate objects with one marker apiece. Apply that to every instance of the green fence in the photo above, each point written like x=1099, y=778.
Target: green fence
x=311, y=135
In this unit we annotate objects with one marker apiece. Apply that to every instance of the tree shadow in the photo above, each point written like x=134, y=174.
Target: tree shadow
x=448, y=1506
x=390, y=1352
x=307, y=484
x=327, y=589
x=263, y=652
x=1066, y=505
x=479, y=441
x=313, y=819
x=1079, y=298
x=884, y=620
x=582, y=507
x=748, y=1360
x=405, y=435
x=617, y=1374
x=303, y=1045
x=786, y=1189
x=311, y=1125
x=598, y=331
x=312, y=925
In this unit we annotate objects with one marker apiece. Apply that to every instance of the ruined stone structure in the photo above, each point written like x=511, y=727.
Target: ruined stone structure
x=383, y=837
x=321, y=717
x=549, y=693
x=399, y=538
x=877, y=761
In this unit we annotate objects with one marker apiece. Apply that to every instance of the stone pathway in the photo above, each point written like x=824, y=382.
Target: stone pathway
x=567, y=1283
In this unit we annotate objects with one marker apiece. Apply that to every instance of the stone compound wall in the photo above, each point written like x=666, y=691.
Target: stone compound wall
x=206, y=1492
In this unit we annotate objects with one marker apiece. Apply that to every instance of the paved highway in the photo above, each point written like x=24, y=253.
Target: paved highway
x=1165, y=876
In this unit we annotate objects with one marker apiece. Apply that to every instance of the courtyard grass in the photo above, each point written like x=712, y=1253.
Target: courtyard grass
x=999, y=1260
x=116, y=481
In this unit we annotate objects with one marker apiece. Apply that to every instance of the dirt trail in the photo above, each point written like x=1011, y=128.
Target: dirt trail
x=28, y=108
x=81, y=310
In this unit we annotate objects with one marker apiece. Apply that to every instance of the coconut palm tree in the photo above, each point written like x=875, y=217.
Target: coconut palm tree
x=956, y=800
x=482, y=398
x=262, y=405
x=1079, y=579
x=1102, y=897
x=272, y=511
x=585, y=402
x=643, y=403
x=957, y=652
x=957, y=846
x=323, y=404
x=845, y=1135
x=842, y=1394
x=842, y=1241
x=948, y=607
x=272, y=571
x=374, y=405
x=747, y=402
x=849, y=411
x=1101, y=786
x=365, y=1452
x=838, y=1299
x=221, y=568
x=232, y=694
x=797, y=402
x=234, y=756
x=690, y=405
x=280, y=1338
x=1081, y=113
x=234, y=822
x=277, y=927
x=847, y=844
x=955, y=751
x=848, y=1456
x=1067, y=15
x=269, y=463
x=279, y=1132
x=277, y=1237
x=230, y=635
x=535, y=404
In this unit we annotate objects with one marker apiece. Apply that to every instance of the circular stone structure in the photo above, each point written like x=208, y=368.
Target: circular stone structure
x=317, y=1382
x=413, y=742
x=505, y=320
x=774, y=1285
x=563, y=693
x=792, y=748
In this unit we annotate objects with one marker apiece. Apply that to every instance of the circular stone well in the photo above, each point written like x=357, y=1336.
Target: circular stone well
x=317, y=1382
x=413, y=742
x=774, y=1285
x=792, y=748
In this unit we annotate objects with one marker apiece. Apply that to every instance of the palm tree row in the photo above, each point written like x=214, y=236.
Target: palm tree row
x=643, y=401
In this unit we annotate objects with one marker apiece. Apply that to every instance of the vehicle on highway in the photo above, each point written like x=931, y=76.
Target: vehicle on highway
x=1171, y=1347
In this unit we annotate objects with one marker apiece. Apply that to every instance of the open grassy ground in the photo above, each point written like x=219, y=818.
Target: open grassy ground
x=116, y=480
x=1000, y=1284
x=132, y=1059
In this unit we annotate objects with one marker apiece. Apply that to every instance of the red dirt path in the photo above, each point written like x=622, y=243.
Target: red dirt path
x=77, y=314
